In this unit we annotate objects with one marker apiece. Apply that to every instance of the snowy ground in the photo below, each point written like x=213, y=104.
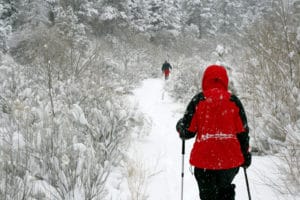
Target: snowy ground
x=160, y=154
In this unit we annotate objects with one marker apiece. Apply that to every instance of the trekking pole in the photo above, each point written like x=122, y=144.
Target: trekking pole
x=182, y=171
x=247, y=183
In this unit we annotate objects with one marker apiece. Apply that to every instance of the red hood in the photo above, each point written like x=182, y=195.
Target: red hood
x=215, y=76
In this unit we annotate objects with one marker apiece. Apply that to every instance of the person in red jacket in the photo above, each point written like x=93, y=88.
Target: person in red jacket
x=218, y=120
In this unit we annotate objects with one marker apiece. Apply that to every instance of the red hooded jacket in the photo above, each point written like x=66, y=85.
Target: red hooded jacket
x=216, y=121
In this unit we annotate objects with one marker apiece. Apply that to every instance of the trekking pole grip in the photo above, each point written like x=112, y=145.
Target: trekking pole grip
x=183, y=146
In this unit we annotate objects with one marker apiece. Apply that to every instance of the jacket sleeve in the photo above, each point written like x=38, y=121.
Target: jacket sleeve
x=243, y=136
x=184, y=123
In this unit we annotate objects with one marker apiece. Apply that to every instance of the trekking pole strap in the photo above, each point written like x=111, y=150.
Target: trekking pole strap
x=183, y=146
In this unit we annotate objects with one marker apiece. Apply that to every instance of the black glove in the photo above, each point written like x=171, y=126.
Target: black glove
x=247, y=160
x=180, y=129
x=183, y=132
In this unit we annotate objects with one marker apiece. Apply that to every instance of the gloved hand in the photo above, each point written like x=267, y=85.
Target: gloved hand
x=183, y=132
x=247, y=160
x=180, y=128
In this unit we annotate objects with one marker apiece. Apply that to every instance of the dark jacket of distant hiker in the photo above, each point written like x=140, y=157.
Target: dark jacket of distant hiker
x=166, y=66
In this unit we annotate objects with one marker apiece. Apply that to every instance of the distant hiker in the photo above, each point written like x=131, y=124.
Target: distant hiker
x=218, y=120
x=166, y=67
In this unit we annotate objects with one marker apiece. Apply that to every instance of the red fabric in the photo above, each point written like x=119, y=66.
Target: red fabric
x=216, y=121
x=215, y=76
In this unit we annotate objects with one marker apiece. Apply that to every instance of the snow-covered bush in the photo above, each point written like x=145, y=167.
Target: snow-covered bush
x=63, y=123
x=138, y=177
x=186, y=80
x=271, y=80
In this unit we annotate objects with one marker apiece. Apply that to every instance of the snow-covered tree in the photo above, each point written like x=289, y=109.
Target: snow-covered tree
x=272, y=84
x=7, y=14
x=199, y=13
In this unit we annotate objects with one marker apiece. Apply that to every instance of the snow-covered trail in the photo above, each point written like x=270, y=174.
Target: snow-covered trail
x=160, y=152
x=161, y=149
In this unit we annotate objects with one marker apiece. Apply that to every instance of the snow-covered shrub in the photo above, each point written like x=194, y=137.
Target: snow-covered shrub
x=291, y=157
x=63, y=124
x=271, y=80
x=186, y=81
x=138, y=176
